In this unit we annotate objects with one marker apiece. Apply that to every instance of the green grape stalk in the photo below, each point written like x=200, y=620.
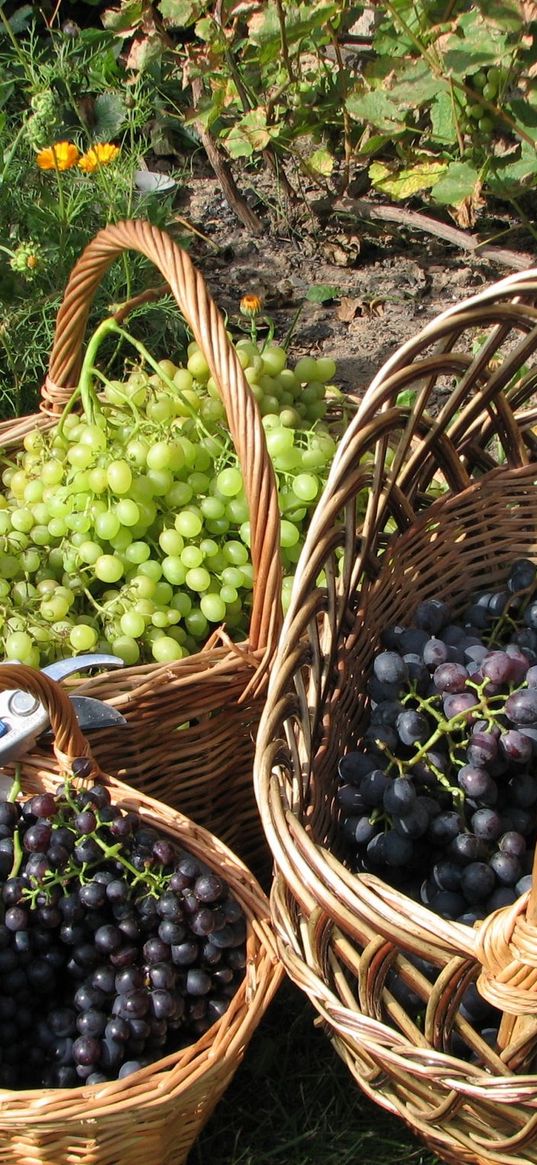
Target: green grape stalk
x=125, y=527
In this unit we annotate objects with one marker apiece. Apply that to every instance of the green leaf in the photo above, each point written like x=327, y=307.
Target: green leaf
x=443, y=129
x=401, y=184
x=513, y=173
x=20, y=19
x=481, y=45
x=109, y=115
x=375, y=108
x=127, y=16
x=405, y=399
x=459, y=182
x=322, y=162
x=374, y=143
x=180, y=13
x=250, y=134
x=323, y=293
x=506, y=14
x=525, y=115
x=416, y=85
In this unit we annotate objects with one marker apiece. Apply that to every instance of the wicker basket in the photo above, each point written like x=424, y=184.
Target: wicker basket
x=155, y=1114
x=216, y=695
x=467, y=434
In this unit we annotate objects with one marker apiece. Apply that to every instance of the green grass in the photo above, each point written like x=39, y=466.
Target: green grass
x=293, y=1102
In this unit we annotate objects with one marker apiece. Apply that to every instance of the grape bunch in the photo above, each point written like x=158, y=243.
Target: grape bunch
x=126, y=528
x=116, y=946
x=441, y=797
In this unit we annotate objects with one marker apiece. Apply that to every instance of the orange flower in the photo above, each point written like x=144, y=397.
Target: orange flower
x=250, y=305
x=60, y=156
x=98, y=155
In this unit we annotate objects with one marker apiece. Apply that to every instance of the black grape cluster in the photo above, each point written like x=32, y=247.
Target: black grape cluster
x=441, y=797
x=116, y=947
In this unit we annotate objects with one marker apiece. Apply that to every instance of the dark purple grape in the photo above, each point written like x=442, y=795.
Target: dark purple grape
x=477, y=784
x=445, y=826
x=87, y=851
x=169, y=906
x=128, y=980
x=448, y=904
x=134, y=1004
x=16, y=918
x=415, y=823
x=117, y=1028
x=487, y=824
x=86, y=1050
x=43, y=805
x=37, y=837
x=515, y=746
x=477, y=881
x=389, y=668
x=450, y=677
x=507, y=868
x=92, y=895
x=482, y=747
x=497, y=667
x=521, y=706
x=164, y=851
x=198, y=982
x=85, y=822
x=522, y=790
x=413, y=727
x=350, y=799
x=156, y=951
x=87, y=997
x=91, y=1022
x=399, y=796
x=512, y=843
x=351, y=768
x=372, y=787
x=107, y=938
x=398, y=850
x=128, y=1068
x=522, y=575
x=460, y=705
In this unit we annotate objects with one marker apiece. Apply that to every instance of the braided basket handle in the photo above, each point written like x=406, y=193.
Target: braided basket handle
x=69, y=742
x=206, y=323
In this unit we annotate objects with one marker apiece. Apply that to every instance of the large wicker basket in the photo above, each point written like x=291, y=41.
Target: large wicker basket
x=215, y=696
x=465, y=433
x=155, y=1114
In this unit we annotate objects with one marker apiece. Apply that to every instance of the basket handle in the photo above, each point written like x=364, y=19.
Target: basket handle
x=204, y=319
x=69, y=742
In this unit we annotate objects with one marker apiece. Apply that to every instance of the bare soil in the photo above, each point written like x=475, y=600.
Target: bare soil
x=388, y=283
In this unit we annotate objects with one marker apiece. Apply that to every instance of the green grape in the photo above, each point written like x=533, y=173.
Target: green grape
x=227, y=594
x=30, y=560
x=270, y=421
x=235, y=553
x=5, y=522
x=237, y=510
x=274, y=360
x=198, y=367
x=217, y=526
x=213, y=607
x=229, y=482
x=122, y=539
x=161, y=481
x=132, y=624
x=199, y=482
x=171, y=541
x=247, y=575
x=166, y=650
x=57, y=527
x=196, y=623
x=51, y=472
x=313, y=392
x=305, y=369
x=142, y=585
x=233, y=576
x=108, y=568
x=198, y=579
x=119, y=476
x=47, y=586
x=162, y=409
x=305, y=487
x=80, y=523
x=128, y=512
x=18, y=646
x=82, y=637
x=325, y=369
x=150, y=569
x=92, y=436
x=188, y=524
x=490, y=91
x=162, y=593
x=54, y=608
x=191, y=556
x=40, y=512
x=269, y=406
x=136, y=451
x=183, y=379
x=33, y=492
x=209, y=548
x=40, y=535
x=288, y=460
x=160, y=618
x=126, y=648
x=212, y=508
x=97, y=479
x=181, y=602
x=137, y=552
x=79, y=456
x=486, y=125
x=178, y=496
x=289, y=534
x=22, y=593
x=279, y=441
x=313, y=459
x=159, y=455
x=107, y=525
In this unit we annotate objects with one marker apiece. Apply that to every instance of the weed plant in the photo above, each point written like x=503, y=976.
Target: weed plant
x=60, y=88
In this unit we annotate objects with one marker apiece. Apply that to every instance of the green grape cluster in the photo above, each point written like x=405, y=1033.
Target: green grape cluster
x=126, y=528
x=488, y=83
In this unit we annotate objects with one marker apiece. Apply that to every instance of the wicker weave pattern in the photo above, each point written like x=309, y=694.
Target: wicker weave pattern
x=216, y=695
x=155, y=1114
x=385, y=545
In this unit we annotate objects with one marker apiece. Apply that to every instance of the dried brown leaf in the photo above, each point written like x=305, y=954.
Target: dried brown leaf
x=349, y=308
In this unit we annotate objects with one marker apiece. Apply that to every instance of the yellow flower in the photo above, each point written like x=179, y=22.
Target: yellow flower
x=250, y=305
x=60, y=156
x=98, y=155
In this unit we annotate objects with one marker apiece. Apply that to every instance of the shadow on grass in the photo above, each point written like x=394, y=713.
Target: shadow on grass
x=293, y=1102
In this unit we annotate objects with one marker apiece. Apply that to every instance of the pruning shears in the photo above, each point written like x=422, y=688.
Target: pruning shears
x=23, y=717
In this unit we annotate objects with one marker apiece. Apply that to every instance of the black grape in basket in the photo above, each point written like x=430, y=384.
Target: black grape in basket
x=443, y=784
x=116, y=947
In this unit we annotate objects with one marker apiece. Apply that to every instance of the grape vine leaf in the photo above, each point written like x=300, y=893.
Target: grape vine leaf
x=109, y=116
x=249, y=134
x=375, y=108
x=416, y=84
x=443, y=128
x=322, y=293
x=322, y=162
x=461, y=181
x=401, y=184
